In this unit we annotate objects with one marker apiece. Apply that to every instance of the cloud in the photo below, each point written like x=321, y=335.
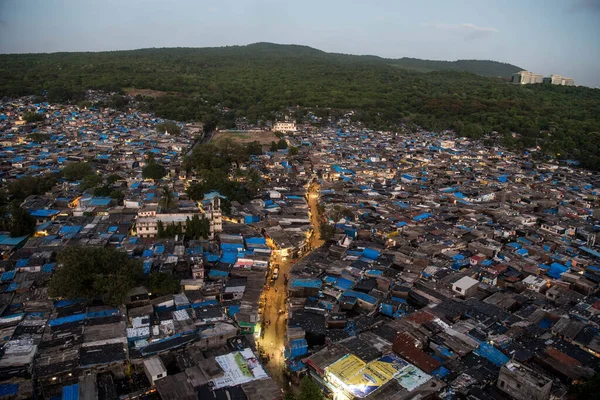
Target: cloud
x=585, y=6
x=467, y=31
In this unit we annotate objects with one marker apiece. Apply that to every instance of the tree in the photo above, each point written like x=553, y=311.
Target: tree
x=210, y=125
x=154, y=171
x=118, y=102
x=254, y=148
x=117, y=194
x=293, y=151
x=160, y=230
x=168, y=126
x=112, y=178
x=4, y=217
x=254, y=181
x=273, y=147
x=167, y=197
x=92, y=273
x=282, y=144
x=586, y=390
x=21, y=222
x=103, y=191
x=33, y=117
x=309, y=390
x=226, y=206
x=91, y=181
x=30, y=185
x=76, y=171
x=163, y=283
x=39, y=137
x=326, y=231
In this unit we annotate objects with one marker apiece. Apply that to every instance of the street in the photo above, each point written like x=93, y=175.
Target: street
x=273, y=341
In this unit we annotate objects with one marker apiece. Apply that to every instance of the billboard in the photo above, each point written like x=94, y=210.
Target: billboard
x=361, y=379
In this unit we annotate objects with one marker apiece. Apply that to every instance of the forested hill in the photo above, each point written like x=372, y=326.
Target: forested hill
x=479, y=67
x=256, y=81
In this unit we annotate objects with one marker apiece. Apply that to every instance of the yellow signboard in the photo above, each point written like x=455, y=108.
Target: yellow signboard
x=362, y=379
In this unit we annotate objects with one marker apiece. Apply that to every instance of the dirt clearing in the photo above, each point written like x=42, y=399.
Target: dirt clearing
x=263, y=137
x=145, y=92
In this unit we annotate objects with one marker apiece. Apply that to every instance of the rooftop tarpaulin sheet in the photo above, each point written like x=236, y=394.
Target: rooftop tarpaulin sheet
x=8, y=275
x=8, y=389
x=66, y=320
x=343, y=284
x=371, y=254
x=492, y=354
x=256, y=240
x=556, y=270
x=70, y=392
x=309, y=283
x=43, y=213
x=362, y=296
x=422, y=217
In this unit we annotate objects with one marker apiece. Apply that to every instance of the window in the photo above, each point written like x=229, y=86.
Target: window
x=458, y=289
x=518, y=386
x=158, y=376
x=501, y=384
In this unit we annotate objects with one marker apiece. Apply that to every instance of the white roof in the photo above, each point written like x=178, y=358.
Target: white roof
x=154, y=366
x=466, y=282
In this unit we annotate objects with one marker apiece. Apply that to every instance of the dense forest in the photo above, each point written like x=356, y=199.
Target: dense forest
x=479, y=67
x=256, y=81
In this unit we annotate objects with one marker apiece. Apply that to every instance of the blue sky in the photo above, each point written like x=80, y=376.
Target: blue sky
x=544, y=36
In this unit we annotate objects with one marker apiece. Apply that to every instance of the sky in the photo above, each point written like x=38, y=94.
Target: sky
x=542, y=36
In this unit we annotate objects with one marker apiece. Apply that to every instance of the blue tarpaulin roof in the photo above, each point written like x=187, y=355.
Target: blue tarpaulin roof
x=255, y=240
x=556, y=270
x=217, y=273
x=49, y=267
x=43, y=213
x=491, y=353
x=590, y=251
x=343, y=284
x=232, y=310
x=8, y=389
x=371, y=254
x=362, y=296
x=70, y=392
x=306, y=283
x=522, y=252
x=6, y=240
x=8, y=275
x=147, y=266
x=422, y=217
x=66, y=320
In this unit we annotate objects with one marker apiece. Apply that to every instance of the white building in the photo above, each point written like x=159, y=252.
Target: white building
x=465, y=286
x=154, y=369
x=526, y=78
x=147, y=222
x=447, y=144
x=523, y=383
x=148, y=226
x=211, y=206
x=285, y=126
x=559, y=80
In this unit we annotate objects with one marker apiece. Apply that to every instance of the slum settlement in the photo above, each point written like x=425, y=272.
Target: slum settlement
x=379, y=265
